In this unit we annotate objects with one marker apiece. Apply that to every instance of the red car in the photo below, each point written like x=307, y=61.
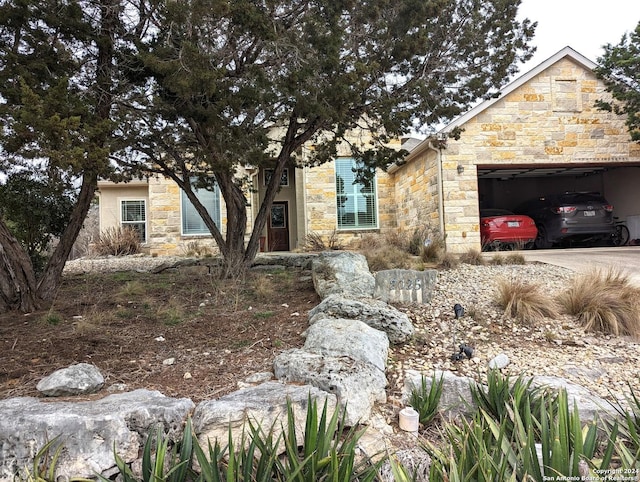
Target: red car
x=499, y=227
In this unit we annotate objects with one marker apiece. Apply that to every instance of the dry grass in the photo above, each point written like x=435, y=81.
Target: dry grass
x=388, y=258
x=473, y=257
x=507, y=259
x=117, y=242
x=131, y=291
x=263, y=287
x=515, y=258
x=197, y=249
x=604, y=301
x=448, y=261
x=317, y=242
x=526, y=302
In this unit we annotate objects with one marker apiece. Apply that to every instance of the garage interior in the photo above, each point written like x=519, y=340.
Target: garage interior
x=505, y=187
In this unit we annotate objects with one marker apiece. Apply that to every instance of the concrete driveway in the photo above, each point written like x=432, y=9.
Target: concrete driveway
x=625, y=258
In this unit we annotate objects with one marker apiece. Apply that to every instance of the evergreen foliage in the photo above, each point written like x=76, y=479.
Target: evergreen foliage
x=248, y=83
x=619, y=68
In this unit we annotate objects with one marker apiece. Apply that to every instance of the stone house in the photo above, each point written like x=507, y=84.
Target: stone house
x=542, y=134
x=322, y=200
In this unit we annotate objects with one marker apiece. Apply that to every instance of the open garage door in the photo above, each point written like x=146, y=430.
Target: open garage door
x=506, y=187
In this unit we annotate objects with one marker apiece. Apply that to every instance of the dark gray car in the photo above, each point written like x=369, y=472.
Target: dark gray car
x=571, y=216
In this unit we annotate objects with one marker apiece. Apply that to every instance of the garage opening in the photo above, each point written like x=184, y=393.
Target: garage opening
x=506, y=187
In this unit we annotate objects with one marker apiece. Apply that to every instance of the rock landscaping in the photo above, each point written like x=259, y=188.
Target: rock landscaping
x=360, y=352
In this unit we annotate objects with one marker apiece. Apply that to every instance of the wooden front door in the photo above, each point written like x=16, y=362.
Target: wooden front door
x=278, y=227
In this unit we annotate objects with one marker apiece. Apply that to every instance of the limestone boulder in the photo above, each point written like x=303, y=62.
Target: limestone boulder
x=263, y=405
x=456, y=391
x=375, y=313
x=79, y=379
x=342, y=272
x=87, y=430
x=353, y=338
x=357, y=384
x=590, y=406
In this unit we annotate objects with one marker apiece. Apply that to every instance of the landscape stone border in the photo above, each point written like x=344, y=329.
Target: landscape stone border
x=340, y=373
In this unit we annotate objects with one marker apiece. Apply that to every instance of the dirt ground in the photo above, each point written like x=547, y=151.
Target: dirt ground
x=130, y=325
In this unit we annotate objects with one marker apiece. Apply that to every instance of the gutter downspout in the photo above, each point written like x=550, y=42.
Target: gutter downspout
x=438, y=152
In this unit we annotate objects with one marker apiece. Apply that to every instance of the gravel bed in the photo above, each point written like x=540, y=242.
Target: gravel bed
x=555, y=347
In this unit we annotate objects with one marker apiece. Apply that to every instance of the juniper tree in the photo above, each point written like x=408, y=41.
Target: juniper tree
x=619, y=68
x=58, y=71
x=246, y=82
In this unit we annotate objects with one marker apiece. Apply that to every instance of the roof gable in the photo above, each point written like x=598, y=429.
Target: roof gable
x=520, y=81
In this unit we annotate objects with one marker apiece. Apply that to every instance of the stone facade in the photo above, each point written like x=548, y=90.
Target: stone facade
x=310, y=194
x=548, y=119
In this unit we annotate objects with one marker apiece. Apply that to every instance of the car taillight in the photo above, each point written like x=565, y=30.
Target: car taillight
x=608, y=208
x=564, y=209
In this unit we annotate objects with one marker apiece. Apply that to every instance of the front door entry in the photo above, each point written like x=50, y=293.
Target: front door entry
x=278, y=227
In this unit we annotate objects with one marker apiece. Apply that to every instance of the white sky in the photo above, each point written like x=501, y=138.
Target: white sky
x=584, y=25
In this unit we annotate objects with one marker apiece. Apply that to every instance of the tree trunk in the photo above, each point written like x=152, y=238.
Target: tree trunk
x=50, y=280
x=235, y=261
x=18, y=290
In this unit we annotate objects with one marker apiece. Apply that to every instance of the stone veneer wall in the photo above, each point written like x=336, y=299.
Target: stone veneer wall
x=165, y=221
x=321, y=208
x=549, y=120
x=416, y=193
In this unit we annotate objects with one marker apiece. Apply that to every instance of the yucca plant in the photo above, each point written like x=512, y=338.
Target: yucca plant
x=628, y=425
x=502, y=396
x=472, y=451
x=171, y=463
x=425, y=399
x=327, y=450
x=254, y=458
x=45, y=462
x=568, y=447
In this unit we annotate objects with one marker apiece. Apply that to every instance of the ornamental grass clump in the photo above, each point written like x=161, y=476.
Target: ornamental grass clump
x=604, y=301
x=472, y=257
x=117, y=241
x=526, y=302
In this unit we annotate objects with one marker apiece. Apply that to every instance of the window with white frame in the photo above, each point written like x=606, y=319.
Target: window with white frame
x=192, y=223
x=355, y=197
x=133, y=214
